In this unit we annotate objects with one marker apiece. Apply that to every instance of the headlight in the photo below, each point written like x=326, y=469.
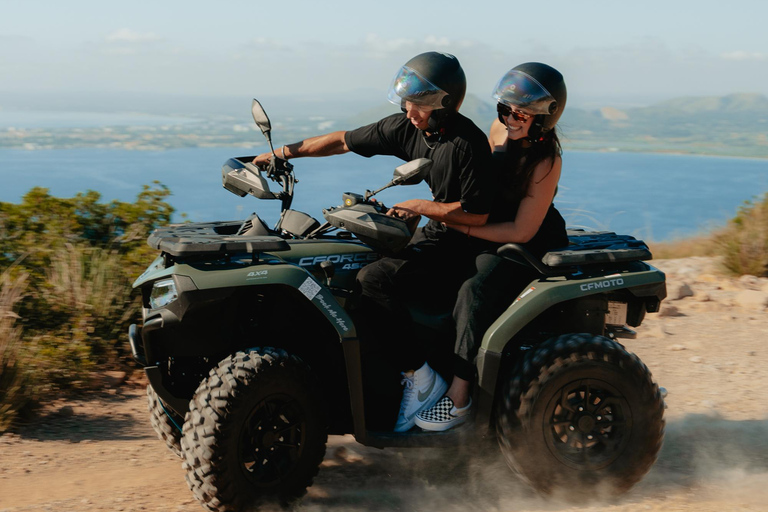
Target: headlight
x=163, y=293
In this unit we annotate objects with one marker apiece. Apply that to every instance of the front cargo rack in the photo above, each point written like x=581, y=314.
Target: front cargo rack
x=211, y=239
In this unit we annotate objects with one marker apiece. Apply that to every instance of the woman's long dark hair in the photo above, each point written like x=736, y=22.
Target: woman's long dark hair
x=524, y=155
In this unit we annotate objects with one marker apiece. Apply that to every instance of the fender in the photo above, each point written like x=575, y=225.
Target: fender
x=544, y=293
x=282, y=274
x=537, y=297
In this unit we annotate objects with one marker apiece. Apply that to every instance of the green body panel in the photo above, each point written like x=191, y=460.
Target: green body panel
x=154, y=271
x=268, y=270
x=347, y=256
x=548, y=291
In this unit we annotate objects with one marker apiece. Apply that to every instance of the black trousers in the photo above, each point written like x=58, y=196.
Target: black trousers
x=427, y=273
x=496, y=282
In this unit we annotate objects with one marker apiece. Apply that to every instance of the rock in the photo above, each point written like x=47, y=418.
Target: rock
x=751, y=282
x=655, y=331
x=696, y=359
x=66, y=411
x=108, y=379
x=752, y=299
x=680, y=291
x=676, y=347
x=709, y=278
x=669, y=310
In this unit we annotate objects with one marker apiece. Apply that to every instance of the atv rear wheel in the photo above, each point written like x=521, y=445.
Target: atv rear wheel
x=165, y=422
x=581, y=413
x=256, y=430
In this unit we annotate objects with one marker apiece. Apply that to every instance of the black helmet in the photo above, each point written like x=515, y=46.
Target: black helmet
x=537, y=89
x=433, y=80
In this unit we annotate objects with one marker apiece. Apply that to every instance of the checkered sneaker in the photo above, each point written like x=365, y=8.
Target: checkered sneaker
x=443, y=415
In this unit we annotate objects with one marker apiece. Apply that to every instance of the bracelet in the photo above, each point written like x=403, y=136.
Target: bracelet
x=282, y=152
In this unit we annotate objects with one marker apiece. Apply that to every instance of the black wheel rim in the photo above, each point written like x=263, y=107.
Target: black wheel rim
x=587, y=424
x=272, y=441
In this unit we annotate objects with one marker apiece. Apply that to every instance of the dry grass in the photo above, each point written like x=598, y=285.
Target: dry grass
x=684, y=248
x=742, y=245
x=12, y=390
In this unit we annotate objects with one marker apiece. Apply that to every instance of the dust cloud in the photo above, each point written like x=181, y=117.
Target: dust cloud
x=712, y=462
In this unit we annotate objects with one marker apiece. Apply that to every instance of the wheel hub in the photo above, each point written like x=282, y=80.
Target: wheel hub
x=271, y=444
x=588, y=424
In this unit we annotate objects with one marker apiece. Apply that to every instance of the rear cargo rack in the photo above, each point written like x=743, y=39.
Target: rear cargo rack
x=585, y=248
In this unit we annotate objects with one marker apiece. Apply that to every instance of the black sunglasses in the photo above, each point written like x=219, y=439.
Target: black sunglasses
x=517, y=115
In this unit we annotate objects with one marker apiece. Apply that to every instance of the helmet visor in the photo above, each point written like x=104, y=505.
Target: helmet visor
x=522, y=91
x=408, y=85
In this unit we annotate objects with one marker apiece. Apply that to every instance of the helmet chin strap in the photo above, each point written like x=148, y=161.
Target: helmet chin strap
x=437, y=119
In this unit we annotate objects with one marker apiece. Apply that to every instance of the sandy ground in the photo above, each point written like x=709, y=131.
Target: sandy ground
x=708, y=350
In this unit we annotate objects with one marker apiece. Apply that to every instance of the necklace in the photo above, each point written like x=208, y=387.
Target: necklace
x=424, y=138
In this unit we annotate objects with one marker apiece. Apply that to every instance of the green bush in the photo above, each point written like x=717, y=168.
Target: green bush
x=743, y=244
x=77, y=258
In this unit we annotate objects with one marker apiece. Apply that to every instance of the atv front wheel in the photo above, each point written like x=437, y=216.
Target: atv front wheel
x=256, y=430
x=165, y=422
x=581, y=414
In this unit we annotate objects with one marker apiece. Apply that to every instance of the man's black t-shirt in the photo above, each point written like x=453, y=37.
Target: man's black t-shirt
x=462, y=164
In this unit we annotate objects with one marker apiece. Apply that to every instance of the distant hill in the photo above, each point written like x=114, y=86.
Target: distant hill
x=731, y=125
x=751, y=103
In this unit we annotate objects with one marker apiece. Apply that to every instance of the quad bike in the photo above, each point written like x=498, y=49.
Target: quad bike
x=253, y=357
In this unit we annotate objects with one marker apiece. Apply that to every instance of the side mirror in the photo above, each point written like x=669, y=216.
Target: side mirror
x=410, y=173
x=260, y=117
x=413, y=172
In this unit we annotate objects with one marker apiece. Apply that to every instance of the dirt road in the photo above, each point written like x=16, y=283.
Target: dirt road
x=708, y=349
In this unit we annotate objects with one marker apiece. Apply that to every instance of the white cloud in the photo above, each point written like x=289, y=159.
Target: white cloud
x=379, y=44
x=741, y=55
x=126, y=35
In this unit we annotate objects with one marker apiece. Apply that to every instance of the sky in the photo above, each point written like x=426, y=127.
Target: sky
x=615, y=53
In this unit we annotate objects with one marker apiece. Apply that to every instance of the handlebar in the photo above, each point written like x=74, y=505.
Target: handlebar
x=277, y=167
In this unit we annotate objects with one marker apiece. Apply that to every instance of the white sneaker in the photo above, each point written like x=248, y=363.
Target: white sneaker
x=443, y=415
x=423, y=388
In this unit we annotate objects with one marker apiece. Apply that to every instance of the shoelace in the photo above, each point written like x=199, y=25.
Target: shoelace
x=408, y=382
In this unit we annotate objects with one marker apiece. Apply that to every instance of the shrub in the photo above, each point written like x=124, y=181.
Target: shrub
x=743, y=244
x=13, y=392
x=77, y=258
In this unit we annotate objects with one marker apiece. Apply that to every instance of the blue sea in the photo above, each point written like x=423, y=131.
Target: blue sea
x=656, y=197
